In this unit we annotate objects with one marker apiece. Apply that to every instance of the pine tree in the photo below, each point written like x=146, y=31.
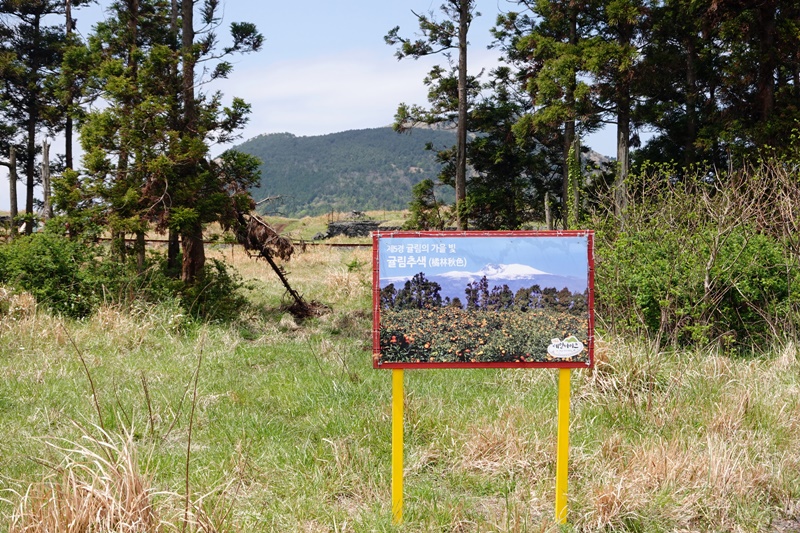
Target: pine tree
x=679, y=80
x=147, y=148
x=546, y=43
x=614, y=61
x=30, y=58
x=511, y=174
x=450, y=90
x=426, y=211
x=204, y=192
x=129, y=59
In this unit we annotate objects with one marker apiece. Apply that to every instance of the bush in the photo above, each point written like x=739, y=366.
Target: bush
x=73, y=277
x=672, y=285
x=701, y=261
x=216, y=294
x=54, y=270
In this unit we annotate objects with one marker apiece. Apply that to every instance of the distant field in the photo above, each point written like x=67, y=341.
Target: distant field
x=307, y=227
x=298, y=229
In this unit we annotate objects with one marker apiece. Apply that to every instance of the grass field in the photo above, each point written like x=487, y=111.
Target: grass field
x=272, y=425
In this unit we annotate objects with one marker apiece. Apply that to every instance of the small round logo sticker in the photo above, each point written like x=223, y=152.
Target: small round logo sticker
x=569, y=347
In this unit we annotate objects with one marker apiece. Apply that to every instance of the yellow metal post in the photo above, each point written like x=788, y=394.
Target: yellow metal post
x=562, y=455
x=397, y=446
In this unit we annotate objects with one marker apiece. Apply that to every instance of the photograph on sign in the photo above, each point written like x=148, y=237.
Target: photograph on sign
x=479, y=299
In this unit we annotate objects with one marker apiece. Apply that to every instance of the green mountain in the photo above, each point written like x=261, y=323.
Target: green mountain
x=357, y=170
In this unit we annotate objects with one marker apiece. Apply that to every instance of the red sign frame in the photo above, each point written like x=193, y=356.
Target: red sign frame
x=380, y=237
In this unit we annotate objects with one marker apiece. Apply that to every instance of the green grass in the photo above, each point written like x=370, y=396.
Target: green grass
x=291, y=427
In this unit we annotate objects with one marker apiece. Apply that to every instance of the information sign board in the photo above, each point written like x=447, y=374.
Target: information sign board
x=483, y=299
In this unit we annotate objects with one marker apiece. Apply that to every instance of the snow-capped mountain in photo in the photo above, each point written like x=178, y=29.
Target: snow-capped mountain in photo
x=492, y=271
x=516, y=276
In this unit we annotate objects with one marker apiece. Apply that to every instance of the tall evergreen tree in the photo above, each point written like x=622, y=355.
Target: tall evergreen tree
x=30, y=58
x=545, y=41
x=720, y=79
x=147, y=147
x=614, y=62
x=450, y=91
x=679, y=80
x=512, y=174
x=69, y=89
x=204, y=189
x=130, y=59
x=759, y=69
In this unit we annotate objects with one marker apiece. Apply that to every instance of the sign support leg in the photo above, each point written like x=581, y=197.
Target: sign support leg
x=397, y=446
x=562, y=454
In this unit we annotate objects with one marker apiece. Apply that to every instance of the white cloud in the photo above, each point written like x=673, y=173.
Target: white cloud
x=328, y=94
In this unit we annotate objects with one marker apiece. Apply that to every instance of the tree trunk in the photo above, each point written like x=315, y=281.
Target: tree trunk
x=691, y=101
x=768, y=59
x=548, y=217
x=187, y=45
x=69, y=96
x=194, y=254
x=32, y=107
x=174, y=18
x=569, y=124
x=625, y=32
x=173, y=249
x=173, y=236
x=623, y=134
x=569, y=136
x=29, y=172
x=576, y=183
x=68, y=158
x=47, y=211
x=461, y=140
x=12, y=188
x=140, y=251
x=118, y=247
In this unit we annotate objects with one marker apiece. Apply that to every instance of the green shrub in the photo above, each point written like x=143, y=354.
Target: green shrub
x=702, y=261
x=216, y=295
x=673, y=285
x=54, y=270
x=73, y=277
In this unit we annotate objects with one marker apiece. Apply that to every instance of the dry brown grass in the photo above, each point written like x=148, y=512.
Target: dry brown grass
x=703, y=449
x=321, y=273
x=100, y=485
x=502, y=449
x=15, y=305
x=97, y=487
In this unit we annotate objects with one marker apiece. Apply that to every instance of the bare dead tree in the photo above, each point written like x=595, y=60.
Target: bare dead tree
x=12, y=185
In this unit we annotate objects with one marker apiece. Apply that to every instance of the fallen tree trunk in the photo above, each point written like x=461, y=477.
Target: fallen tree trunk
x=259, y=237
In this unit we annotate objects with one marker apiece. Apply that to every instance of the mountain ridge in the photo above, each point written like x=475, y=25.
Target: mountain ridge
x=368, y=169
x=354, y=170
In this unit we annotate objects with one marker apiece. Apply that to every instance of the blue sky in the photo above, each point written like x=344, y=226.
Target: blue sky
x=565, y=256
x=325, y=68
